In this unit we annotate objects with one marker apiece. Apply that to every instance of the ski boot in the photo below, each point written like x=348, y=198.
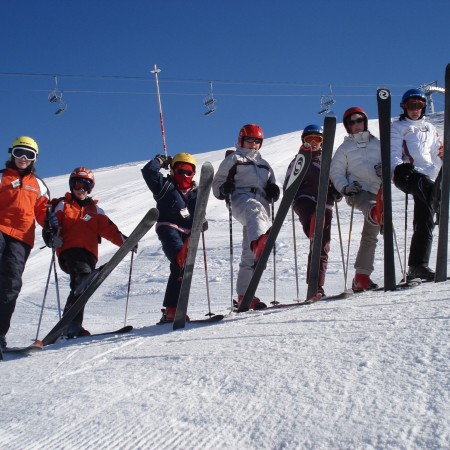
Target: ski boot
x=362, y=282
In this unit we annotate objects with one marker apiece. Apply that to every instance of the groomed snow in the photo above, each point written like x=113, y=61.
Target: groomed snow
x=368, y=372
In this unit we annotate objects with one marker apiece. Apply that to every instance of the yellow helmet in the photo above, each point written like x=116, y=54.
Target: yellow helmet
x=184, y=158
x=25, y=142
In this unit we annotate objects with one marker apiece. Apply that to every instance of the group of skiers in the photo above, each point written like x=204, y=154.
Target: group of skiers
x=73, y=224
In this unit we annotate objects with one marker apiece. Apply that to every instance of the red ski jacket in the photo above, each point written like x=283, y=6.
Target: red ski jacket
x=81, y=226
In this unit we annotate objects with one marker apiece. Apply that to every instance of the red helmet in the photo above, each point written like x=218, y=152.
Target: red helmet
x=82, y=174
x=350, y=112
x=250, y=130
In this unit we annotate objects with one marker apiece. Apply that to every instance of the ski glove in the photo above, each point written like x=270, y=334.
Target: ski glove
x=227, y=189
x=56, y=241
x=352, y=188
x=164, y=161
x=272, y=192
x=378, y=170
x=205, y=225
x=54, y=223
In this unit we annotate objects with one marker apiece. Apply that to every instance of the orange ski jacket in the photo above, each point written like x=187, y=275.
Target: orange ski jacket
x=23, y=200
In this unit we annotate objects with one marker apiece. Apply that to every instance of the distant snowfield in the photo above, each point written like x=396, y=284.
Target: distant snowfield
x=368, y=372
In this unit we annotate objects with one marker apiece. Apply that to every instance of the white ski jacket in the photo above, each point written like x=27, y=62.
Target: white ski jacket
x=416, y=142
x=355, y=160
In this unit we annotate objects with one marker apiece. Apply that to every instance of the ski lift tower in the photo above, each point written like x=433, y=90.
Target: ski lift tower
x=429, y=89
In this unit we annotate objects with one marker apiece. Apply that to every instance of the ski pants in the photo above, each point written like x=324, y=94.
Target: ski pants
x=364, y=201
x=421, y=187
x=172, y=242
x=13, y=257
x=305, y=208
x=252, y=211
x=79, y=263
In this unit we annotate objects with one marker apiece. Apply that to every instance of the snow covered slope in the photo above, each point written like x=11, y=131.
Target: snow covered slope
x=371, y=371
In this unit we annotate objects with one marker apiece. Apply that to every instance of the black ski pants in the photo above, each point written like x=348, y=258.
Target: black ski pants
x=172, y=242
x=13, y=257
x=78, y=263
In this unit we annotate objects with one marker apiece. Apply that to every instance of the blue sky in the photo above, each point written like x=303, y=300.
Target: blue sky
x=270, y=63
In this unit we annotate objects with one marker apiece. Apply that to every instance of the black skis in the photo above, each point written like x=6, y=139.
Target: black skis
x=442, y=250
x=329, y=130
x=300, y=167
x=142, y=228
x=384, y=119
x=204, y=188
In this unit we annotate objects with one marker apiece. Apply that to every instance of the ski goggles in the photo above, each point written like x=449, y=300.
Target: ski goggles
x=22, y=152
x=355, y=121
x=82, y=185
x=186, y=172
x=250, y=140
x=313, y=139
x=414, y=104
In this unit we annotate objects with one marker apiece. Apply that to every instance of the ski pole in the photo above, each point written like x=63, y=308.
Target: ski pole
x=161, y=119
x=230, y=221
x=129, y=288
x=45, y=295
x=406, y=236
x=350, y=234
x=274, y=302
x=398, y=249
x=295, y=252
x=56, y=277
x=341, y=245
x=206, y=276
x=56, y=285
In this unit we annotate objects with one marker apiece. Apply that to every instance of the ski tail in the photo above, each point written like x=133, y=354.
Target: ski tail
x=384, y=116
x=329, y=131
x=204, y=189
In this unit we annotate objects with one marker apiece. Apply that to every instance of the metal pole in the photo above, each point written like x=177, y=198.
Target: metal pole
x=129, y=288
x=206, y=276
x=230, y=221
x=161, y=119
x=45, y=295
x=341, y=245
x=295, y=253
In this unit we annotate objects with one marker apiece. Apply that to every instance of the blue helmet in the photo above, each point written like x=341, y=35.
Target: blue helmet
x=312, y=129
x=414, y=93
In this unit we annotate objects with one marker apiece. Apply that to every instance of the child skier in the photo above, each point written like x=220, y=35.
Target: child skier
x=248, y=181
x=80, y=222
x=416, y=157
x=23, y=200
x=305, y=202
x=176, y=196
